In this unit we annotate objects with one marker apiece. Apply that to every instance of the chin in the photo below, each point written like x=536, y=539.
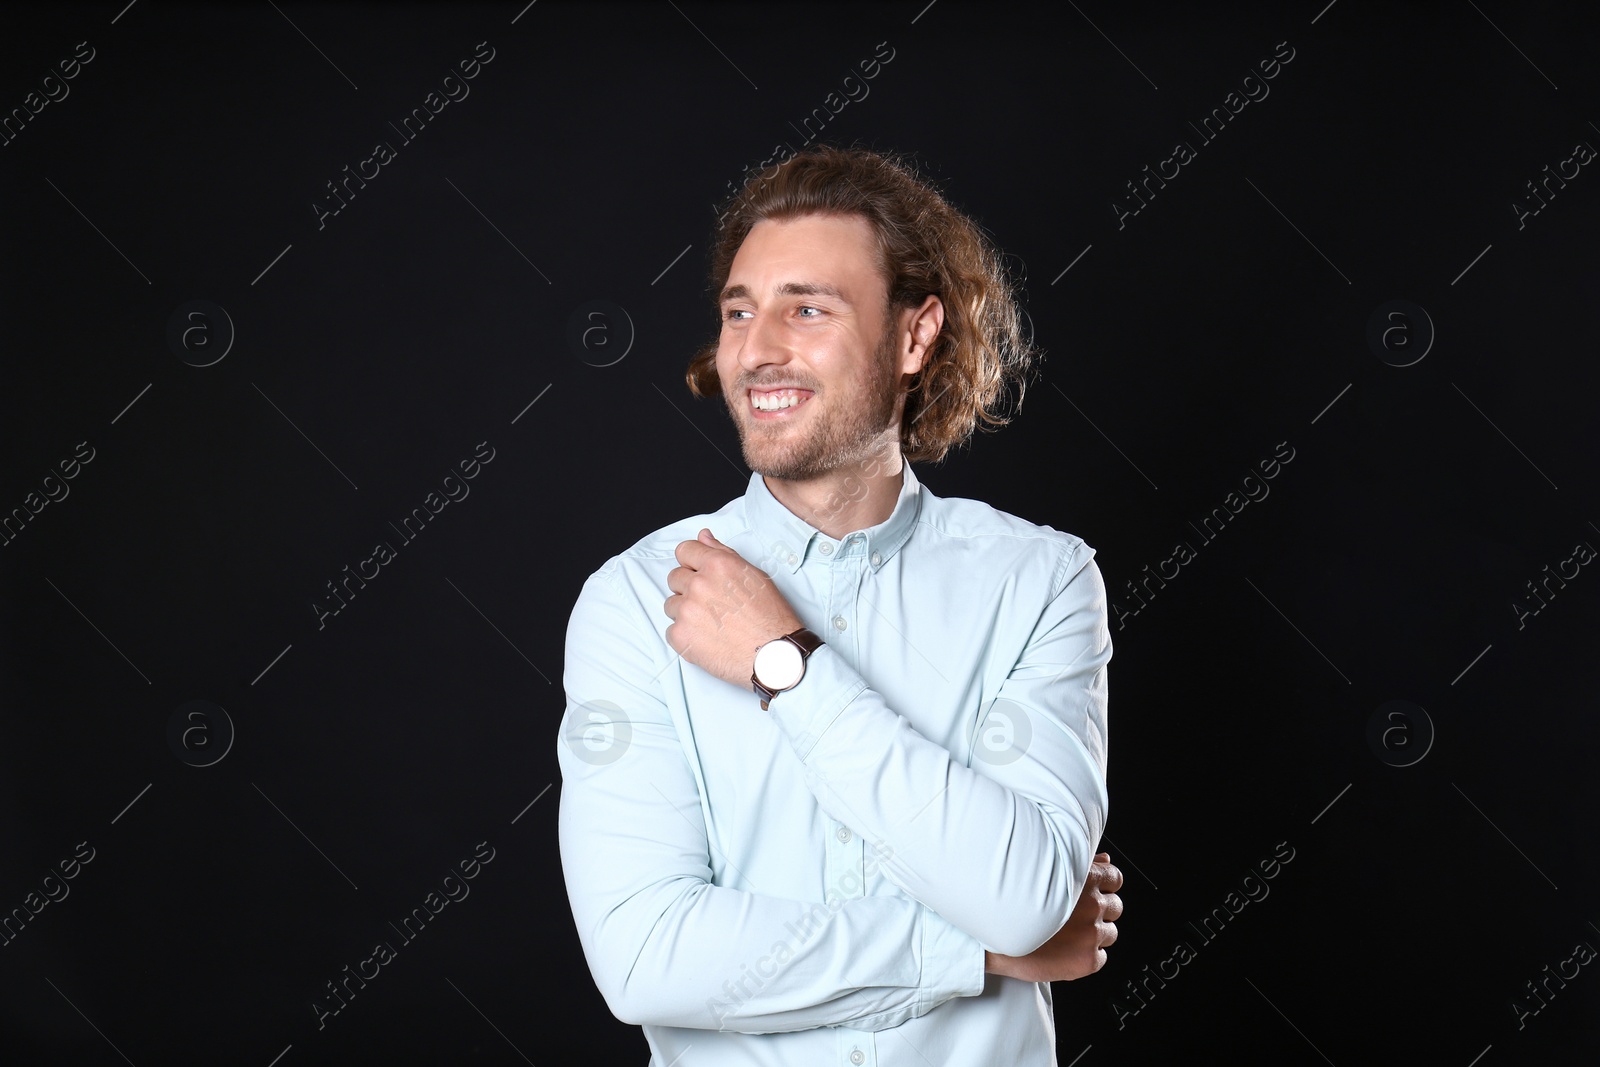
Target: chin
x=775, y=463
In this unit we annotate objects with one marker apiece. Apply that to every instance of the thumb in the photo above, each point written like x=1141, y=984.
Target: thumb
x=706, y=537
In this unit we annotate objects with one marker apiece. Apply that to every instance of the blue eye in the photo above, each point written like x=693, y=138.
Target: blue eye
x=731, y=313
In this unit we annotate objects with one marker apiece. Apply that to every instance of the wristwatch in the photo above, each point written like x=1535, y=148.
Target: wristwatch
x=781, y=663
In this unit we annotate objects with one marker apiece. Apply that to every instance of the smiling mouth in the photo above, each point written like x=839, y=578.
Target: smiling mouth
x=776, y=403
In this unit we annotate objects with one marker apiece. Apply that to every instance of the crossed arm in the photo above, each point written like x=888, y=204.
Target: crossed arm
x=992, y=858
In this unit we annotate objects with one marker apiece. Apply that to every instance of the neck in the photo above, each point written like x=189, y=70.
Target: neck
x=854, y=496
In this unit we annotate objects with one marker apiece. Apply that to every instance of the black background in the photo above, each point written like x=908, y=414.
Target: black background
x=373, y=354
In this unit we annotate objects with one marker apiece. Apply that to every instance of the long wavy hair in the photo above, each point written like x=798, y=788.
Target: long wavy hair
x=925, y=246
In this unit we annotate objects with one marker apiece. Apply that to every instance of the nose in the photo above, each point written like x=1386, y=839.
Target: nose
x=762, y=342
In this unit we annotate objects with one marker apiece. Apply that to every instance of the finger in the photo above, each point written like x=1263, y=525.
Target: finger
x=1100, y=875
x=1087, y=907
x=1111, y=907
x=1107, y=933
x=678, y=580
x=671, y=605
x=1110, y=878
x=1102, y=857
x=691, y=553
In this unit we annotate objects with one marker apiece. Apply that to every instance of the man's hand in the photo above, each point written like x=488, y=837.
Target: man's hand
x=723, y=607
x=1079, y=948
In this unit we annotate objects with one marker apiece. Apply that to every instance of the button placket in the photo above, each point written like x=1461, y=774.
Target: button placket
x=856, y=1048
x=843, y=585
x=846, y=865
x=856, y=576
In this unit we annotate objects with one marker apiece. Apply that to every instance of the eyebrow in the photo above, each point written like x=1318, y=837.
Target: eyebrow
x=740, y=292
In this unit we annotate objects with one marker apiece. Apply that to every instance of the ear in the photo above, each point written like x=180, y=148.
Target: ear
x=925, y=324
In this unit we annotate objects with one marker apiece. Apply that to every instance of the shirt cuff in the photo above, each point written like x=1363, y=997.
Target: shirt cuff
x=952, y=960
x=805, y=712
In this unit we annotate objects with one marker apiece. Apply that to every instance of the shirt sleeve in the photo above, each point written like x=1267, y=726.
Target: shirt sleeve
x=1000, y=847
x=665, y=945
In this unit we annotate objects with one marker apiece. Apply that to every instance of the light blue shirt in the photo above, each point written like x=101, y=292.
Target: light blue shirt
x=815, y=884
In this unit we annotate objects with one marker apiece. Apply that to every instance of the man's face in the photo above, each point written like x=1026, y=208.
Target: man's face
x=805, y=308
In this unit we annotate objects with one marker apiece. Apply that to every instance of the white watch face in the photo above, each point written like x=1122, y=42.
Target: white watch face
x=778, y=664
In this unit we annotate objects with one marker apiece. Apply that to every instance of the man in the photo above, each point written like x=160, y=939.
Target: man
x=833, y=756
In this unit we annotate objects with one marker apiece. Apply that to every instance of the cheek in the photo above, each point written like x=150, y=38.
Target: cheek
x=726, y=367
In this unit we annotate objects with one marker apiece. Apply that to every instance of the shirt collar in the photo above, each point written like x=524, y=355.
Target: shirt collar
x=787, y=541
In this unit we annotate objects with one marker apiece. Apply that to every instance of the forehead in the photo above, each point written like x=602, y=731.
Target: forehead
x=837, y=250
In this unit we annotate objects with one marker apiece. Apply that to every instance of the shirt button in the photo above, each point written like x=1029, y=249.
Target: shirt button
x=843, y=834
x=793, y=558
x=839, y=623
x=856, y=1056
x=827, y=548
x=877, y=558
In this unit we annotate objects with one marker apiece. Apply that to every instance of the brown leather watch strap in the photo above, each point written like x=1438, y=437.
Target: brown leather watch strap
x=808, y=641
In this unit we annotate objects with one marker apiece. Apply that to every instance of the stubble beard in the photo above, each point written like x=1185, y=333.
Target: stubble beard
x=835, y=439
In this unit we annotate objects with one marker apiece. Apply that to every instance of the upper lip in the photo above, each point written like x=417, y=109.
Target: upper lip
x=775, y=388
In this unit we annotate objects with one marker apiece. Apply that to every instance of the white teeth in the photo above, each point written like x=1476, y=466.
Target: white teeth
x=775, y=401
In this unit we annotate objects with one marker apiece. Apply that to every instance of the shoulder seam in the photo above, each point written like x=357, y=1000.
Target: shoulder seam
x=1057, y=580
x=635, y=551
x=608, y=574
x=1041, y=532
